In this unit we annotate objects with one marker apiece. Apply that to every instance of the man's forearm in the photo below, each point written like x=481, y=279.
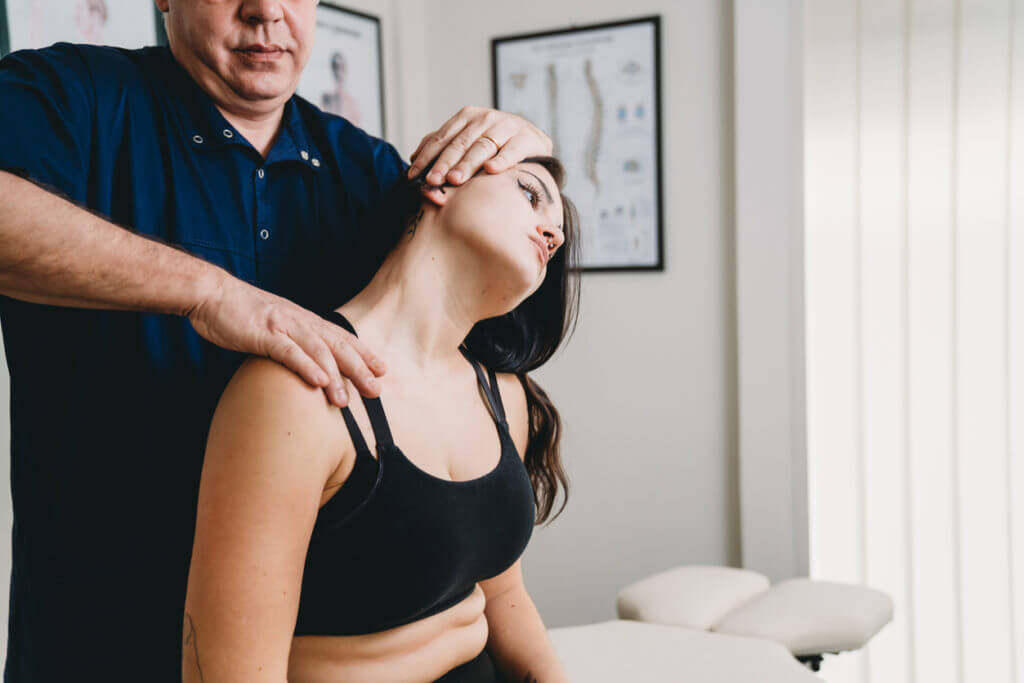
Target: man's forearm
x=54, y=252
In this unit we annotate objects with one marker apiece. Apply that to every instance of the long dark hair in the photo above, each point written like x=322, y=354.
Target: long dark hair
x=520, y=340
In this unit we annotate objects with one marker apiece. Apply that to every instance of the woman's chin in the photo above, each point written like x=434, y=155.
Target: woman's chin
x=526, y=280
x=515, y=276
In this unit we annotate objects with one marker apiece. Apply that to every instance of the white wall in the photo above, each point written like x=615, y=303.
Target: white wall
x=768, y=49
x=915, y=312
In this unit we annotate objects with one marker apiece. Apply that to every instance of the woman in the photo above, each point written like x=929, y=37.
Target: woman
x=380, y=542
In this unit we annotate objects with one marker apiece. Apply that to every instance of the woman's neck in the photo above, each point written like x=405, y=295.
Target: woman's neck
x=420, y=305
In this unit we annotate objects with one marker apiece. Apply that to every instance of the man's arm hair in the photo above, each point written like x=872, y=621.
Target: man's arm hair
x=55, y=252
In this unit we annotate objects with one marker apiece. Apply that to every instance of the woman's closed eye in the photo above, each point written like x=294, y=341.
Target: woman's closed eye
x=535, y=198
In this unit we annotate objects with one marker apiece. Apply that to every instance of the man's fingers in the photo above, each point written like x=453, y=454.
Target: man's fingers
x=500, y=129
x=439, y=140
x=352, y=365
x=413, y=166
x=480, y=151
x=312, y=346
x=373, y=361
x=322, y=352
x=515, y=150
x=468, y=150
x=457, y=145
x=291, y=355
x=354, y=359
x=324, y=357
x=429, y=149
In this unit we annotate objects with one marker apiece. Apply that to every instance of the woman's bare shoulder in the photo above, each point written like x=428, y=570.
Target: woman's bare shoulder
x=267, y=403
x=264, y=384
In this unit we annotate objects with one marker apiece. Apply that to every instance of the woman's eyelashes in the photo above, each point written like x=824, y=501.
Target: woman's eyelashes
x=535, y=198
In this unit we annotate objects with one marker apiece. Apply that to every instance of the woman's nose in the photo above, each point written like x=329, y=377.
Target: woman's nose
x=552, y=236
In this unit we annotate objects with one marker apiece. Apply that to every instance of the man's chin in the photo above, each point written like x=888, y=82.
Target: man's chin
x=262, y=88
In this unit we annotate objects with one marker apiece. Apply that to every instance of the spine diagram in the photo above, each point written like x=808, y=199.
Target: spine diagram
x=552, y=89
x=593, y=146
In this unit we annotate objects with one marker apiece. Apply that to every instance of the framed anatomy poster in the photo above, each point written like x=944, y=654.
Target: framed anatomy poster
x=35, y=24
x=345, y=73
x=596, y=91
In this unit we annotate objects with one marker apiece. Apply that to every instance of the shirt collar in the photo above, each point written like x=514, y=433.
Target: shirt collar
x=205, y=128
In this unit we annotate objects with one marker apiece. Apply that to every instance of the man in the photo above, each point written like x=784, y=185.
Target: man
x=243, y=209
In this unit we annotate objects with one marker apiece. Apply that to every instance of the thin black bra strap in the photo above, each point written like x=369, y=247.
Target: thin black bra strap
x=353, y=429
x=496, y=407
x=497, y=393
x=381, y=430
x=374, y=408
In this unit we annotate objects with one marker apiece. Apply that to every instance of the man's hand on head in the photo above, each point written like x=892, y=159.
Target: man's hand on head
x=240, y=317
x=477, y=137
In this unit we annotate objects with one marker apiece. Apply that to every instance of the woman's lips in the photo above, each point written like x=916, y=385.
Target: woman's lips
x=540, y=250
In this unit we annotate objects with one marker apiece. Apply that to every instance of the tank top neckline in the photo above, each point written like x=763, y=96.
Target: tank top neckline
x=504, y=436
x=506, y=446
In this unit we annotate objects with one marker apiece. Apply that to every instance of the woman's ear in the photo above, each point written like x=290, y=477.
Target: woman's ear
x=438, y=194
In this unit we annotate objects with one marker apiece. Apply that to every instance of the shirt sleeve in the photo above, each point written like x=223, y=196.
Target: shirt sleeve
x=388, y=164
x=46, y=121
x=388, y=167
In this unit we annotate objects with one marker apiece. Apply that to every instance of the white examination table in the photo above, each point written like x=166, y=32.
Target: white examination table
x=699, y=624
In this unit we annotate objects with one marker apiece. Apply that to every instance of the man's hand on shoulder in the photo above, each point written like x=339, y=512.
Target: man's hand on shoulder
x=238, y=316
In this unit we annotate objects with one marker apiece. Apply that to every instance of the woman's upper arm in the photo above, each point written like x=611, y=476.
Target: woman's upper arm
x=267, y=458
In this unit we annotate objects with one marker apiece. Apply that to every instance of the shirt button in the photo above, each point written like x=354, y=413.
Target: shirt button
x=264, y=234
x=228, y=133
x=260, y=173
x=198, y=139
x=305, y=155
x=316, y=162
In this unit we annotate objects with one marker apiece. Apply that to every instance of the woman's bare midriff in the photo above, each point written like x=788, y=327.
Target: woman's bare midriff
x=419, y=652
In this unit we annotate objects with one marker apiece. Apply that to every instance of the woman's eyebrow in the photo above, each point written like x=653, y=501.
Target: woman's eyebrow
x=547, y=194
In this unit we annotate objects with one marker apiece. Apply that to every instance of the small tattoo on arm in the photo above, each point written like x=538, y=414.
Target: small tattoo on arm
x=191, y=642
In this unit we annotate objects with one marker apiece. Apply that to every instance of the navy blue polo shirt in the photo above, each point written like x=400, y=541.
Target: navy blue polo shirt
x=110, y=409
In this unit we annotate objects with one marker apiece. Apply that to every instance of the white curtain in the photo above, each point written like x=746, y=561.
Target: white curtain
x=914, y=215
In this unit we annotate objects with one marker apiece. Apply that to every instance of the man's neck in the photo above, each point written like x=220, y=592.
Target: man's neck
x=261, y=131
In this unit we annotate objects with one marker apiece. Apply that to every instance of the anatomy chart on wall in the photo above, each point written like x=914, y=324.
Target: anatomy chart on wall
x=595, y=90
x=343, y=75
x=34, y=24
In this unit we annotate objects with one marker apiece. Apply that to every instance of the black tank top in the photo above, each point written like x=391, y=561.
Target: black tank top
x=396, y=544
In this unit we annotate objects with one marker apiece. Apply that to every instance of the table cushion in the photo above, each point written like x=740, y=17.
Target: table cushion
x=693, y=596
x=811, y=617
x=620, y=650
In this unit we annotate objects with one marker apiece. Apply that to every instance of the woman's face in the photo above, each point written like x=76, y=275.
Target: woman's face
x=509, y=218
